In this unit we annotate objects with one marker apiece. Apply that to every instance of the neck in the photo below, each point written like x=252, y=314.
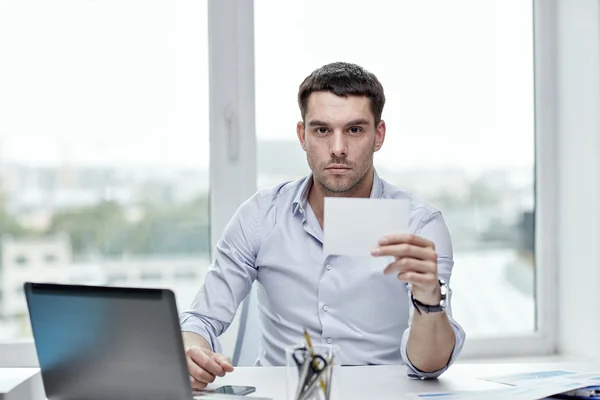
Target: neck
x=317, y=193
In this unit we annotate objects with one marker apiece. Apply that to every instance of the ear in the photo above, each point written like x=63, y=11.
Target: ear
x=301, y=134
x=379, y=135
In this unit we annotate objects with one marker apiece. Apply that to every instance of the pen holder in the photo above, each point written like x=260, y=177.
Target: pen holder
x=312, y=374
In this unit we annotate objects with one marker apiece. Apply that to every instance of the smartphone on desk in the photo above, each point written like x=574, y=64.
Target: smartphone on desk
x=227, y=389
x=237, y=390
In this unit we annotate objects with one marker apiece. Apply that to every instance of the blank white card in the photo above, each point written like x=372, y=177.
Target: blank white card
x=353, y=226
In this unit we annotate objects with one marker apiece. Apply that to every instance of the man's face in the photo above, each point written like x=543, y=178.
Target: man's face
x=339, y=136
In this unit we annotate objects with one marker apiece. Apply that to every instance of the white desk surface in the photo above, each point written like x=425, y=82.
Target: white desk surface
x=374, y=382
x=10, y=378
x=21, y=383
x=390, y=382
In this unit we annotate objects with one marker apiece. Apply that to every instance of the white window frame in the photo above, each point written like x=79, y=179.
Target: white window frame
x=543, y=341
x=233, y=163
x=232, y=119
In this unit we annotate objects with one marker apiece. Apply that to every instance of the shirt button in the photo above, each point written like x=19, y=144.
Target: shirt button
x=329, y=340
x=325, y=308
x=328, y=267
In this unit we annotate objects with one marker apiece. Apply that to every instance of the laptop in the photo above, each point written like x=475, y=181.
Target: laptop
x=96, y=342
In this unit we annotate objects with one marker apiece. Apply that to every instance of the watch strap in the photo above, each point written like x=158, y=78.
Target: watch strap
x=426, y=308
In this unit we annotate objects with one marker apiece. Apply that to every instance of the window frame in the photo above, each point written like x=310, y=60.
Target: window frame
x=233, y=171
x=544, y=340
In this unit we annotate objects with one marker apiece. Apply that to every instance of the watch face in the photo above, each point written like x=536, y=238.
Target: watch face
x=444, y=293
x=444, y=290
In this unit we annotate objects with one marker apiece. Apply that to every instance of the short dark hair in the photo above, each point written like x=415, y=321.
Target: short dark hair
x=343, y=79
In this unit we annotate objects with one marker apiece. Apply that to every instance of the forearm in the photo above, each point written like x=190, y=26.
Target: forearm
x=431, y=341
x=191, y=339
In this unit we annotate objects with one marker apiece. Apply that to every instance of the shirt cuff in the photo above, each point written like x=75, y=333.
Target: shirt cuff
x=413, y=372
x=190, y=322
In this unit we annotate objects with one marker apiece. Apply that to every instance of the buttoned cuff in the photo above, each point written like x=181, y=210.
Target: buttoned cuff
x=413, y=372
x=193, y=323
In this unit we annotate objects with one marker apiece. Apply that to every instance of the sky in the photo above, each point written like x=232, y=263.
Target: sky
x=125, y=82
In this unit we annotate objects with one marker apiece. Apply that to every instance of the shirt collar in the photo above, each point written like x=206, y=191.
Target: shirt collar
x=301, y=198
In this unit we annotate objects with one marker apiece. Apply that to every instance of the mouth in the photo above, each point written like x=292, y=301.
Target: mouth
x=338, y=169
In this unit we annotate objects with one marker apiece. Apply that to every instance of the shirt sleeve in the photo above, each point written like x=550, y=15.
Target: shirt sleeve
x=229, y=278
x=435, y=229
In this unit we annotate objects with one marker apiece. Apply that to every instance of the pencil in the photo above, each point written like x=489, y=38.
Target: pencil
x=312, y=353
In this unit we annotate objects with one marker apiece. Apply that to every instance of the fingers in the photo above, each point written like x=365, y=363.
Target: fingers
x=206, y=362
x=406, y=250
x=405, y=265
x=197, y=385
x=199, y=374
x=223, y=361
x=406, y=238
x=418, y=279
x=204, y=366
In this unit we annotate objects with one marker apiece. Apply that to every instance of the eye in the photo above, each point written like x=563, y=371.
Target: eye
x=321, y=131
x=355, y=130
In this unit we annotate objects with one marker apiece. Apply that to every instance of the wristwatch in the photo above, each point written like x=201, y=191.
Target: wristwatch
x=441, y=307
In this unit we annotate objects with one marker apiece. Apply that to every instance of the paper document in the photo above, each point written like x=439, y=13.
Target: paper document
x=526, y=377
x=533, y=390
x=353, y=226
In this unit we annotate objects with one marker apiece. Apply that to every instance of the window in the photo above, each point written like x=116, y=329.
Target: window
x=21, y=261
x=183, y=275
x=50, y=259
x=105, y=157
x=103, y=142
x=458, y=78
x=117, y=278
x=151, y=276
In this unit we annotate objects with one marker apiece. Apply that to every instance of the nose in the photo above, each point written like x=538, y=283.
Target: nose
x=338, y=145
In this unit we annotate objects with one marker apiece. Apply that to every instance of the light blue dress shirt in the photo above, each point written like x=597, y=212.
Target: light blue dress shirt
x=275, y=238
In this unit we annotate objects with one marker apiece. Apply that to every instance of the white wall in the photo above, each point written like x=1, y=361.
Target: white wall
x=578, y=158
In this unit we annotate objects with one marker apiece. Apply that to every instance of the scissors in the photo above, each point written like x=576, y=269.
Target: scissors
x=317, y=364
x=311, y=369
x=298, y=355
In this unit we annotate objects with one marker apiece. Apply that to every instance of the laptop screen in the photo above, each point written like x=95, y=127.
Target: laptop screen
x=104, y=342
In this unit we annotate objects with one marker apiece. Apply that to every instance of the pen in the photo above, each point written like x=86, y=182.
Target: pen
x=302, y=378
x=329, y=377
x=312, y=353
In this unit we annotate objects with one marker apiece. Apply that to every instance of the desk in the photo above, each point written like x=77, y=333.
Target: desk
x=390, y=382
x=21, y=383
x=373, y=382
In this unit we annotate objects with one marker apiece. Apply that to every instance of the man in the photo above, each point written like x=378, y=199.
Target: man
x=363, y=304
